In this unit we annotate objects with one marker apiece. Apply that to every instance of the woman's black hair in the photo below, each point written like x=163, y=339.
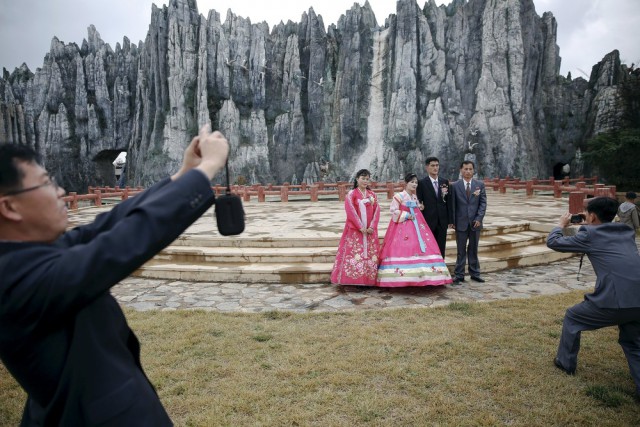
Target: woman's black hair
x=361, y=172
x=408, y=177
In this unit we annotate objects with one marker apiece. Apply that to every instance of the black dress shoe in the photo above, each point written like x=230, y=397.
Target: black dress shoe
x=477, y=279
x=457, y=282
x=562, y=368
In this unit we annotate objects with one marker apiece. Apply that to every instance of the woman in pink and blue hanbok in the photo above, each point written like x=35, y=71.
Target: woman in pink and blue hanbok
x=357, y=256
x=410, y=254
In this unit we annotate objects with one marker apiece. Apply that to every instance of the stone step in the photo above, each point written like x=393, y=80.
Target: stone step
x=319, y=254
x=247, y=240
x=300, y=273
x=204, y=255
x=502, y=242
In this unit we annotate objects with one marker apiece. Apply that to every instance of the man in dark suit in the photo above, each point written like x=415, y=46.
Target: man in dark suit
x=62, y=335
x=469, y=206
x=612, y=250
x=433, y=194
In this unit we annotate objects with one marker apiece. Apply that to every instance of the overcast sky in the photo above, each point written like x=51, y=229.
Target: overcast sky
x=587, y=29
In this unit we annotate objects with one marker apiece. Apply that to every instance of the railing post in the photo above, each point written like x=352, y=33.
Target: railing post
x=125, y=194
x=503, y=187
x=245, y=193
x=73, y=204
x=557, y=191
x=576, y=202
x=314, y=193
x=390, y=190
x=98, y=199
x=342, y=192
x=529, y=188
x=612, y=192
x=284, y=193
x=495, y=184
x=261, y=197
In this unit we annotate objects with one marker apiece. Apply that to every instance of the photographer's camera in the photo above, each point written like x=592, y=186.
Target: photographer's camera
x=577, y=218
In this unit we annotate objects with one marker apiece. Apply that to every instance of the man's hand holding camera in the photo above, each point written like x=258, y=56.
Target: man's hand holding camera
x=571, y=219
x=207, y=152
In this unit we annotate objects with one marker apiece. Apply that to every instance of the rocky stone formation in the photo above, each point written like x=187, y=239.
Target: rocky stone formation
x=304, y=102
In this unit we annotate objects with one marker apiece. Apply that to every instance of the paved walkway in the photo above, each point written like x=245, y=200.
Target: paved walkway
x=145, y=294
x=326, y=218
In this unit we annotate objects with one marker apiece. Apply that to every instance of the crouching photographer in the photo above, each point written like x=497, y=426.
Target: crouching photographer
x=613, y=253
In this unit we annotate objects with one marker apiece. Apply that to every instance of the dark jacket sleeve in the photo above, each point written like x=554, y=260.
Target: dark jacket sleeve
x=107, y=220
x=450, y=202
x=50, y=281
x=420, y=190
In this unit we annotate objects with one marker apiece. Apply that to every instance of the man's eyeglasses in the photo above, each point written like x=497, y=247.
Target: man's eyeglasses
x=51, y=181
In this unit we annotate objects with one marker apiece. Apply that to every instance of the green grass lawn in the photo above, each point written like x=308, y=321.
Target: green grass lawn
x=481, y=364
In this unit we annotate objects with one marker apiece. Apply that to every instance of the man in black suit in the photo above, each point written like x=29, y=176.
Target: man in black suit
x=62, y=335
x=615, y=301
x=433, y=194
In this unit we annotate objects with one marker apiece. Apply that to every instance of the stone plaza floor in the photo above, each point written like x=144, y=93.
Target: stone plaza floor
x=326, y=218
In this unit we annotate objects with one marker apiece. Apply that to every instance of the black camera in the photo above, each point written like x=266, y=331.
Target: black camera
x=229, y=212
x=577, y=218
x=229, y=215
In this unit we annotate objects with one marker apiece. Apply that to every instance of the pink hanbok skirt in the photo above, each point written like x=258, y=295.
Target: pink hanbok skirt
x=405, y=262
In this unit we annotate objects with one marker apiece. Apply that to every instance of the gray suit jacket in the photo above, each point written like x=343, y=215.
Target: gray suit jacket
x=612, y=250
x=467, y=211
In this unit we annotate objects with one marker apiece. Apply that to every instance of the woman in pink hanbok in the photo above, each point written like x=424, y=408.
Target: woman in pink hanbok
x=410, y=254
x=357, y=256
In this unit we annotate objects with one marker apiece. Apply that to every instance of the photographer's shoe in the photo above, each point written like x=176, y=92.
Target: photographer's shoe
x=477, y=279
x=562, y=368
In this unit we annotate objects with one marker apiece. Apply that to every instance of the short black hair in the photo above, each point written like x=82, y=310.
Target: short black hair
x=467, y=162
x=605, y=208
x=431, y=159
x=11, y=175
x=408, y=177
x=630, y=195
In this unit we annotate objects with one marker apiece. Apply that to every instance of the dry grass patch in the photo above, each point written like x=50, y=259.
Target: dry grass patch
x=480, y=364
